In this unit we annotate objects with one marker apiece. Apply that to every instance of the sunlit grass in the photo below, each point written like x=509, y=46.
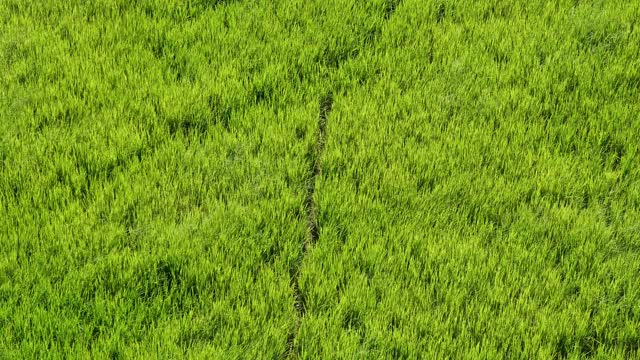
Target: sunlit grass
x=478, y=195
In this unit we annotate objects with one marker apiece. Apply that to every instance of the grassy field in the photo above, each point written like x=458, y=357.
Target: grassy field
x=319, y=179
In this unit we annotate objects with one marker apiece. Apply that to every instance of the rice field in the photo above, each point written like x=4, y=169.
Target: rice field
x=341, y=179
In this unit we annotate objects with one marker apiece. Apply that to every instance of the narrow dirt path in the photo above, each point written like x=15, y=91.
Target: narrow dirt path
x=326, y=105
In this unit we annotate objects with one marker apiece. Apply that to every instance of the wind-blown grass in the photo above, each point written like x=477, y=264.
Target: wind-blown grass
x=477, y=197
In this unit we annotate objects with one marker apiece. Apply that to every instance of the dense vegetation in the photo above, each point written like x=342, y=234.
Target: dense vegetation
x=474, y=183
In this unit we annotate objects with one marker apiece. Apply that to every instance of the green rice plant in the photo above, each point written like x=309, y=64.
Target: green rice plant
x=473, y=182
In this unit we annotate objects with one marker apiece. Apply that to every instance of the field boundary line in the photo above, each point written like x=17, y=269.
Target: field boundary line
x=313, y=233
